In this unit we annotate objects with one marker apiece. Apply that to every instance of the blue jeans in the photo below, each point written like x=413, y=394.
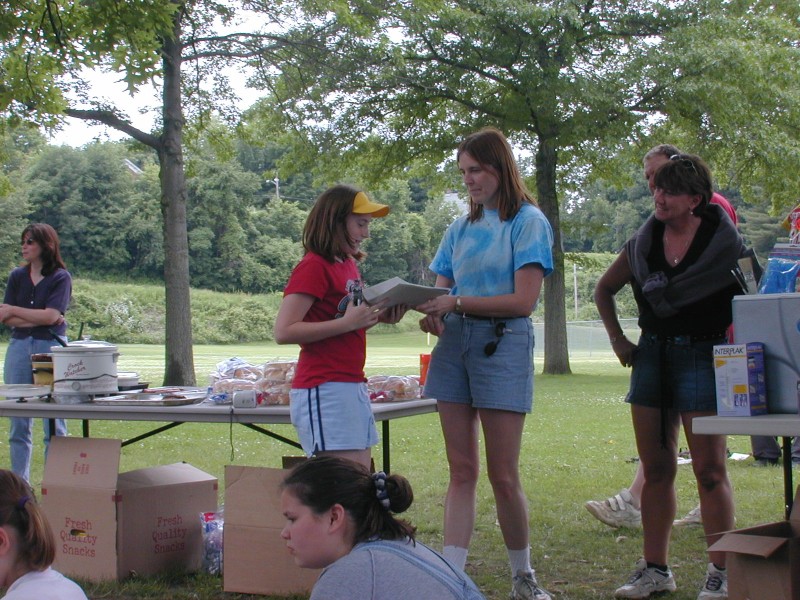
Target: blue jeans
x=766, y=446
x=18, y=369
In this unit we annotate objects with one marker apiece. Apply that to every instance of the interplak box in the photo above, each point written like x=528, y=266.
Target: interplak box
x=763, y=562
x=255, y=556
x=740, y=379
x=109, y=525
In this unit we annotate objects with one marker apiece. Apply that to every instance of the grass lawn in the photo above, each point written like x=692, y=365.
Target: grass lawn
x=577, y=445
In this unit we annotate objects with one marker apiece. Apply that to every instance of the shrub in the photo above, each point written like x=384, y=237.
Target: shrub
x=135, y=314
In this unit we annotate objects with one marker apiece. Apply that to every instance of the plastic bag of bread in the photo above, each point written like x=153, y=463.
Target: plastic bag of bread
x=279, y=371
x=228, y=386
x=392, y=388
x=274, y=393
x=236, y=368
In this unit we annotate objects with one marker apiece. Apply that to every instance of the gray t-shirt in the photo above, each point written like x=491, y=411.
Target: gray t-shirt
x=371, y=572
x=44, y=585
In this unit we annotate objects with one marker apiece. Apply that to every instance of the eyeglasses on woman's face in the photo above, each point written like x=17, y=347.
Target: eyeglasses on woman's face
x=28, y=242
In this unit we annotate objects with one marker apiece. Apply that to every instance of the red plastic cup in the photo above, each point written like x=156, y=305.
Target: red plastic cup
x=424, y=361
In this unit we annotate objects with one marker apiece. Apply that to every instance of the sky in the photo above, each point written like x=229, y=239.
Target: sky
x=141, y=109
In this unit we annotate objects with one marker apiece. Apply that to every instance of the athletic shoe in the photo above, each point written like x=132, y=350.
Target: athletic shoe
x=525, y=587
x=645, y=581
x=716, y=585
x=693, y=517
x=616, y=511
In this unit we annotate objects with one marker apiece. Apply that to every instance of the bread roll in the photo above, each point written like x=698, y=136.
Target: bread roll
x=390, y=388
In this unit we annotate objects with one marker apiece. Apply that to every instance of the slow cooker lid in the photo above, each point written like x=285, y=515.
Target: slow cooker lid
x=96, y=348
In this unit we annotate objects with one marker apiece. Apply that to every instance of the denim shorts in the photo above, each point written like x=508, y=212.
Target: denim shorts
x=333, y=416
x=461, y=372
x=674, y=373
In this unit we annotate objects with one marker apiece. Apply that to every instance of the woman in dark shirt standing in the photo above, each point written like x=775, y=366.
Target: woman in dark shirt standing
x=36, y=298
x=679, y=265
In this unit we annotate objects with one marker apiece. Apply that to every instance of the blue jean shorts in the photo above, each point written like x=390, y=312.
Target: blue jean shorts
x=333, y=416
x=674, y=373
x=461, y=372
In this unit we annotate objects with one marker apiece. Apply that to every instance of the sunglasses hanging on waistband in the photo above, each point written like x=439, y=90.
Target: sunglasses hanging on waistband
x=499, y=332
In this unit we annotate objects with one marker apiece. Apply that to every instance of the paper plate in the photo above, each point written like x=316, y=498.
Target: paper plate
x=24, y=390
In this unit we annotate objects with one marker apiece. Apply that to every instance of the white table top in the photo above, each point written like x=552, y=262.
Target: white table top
x=193, y=413
x=772, y=425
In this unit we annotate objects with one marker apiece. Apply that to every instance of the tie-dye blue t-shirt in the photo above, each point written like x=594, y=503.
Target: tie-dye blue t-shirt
x=482, y=257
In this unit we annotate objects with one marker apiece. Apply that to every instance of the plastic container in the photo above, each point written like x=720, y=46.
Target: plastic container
x=42, y=365
x=128, y=381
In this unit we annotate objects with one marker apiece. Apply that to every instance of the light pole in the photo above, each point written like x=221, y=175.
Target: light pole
x=575, y=287
x=277, y=183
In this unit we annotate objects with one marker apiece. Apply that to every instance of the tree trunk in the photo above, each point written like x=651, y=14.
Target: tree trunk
x=179, y=359
x=556, y=352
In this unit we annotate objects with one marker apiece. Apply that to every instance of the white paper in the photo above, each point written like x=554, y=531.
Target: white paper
x=399, y=291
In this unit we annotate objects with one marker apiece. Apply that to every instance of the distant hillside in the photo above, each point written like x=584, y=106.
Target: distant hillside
x=134, y=314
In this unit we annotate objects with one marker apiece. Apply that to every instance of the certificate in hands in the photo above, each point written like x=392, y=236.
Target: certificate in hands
x=399, y=291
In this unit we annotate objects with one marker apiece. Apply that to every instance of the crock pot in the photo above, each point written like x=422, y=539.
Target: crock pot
x=85, y=367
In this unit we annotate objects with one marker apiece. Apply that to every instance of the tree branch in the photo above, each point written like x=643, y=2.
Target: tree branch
x=112, y=120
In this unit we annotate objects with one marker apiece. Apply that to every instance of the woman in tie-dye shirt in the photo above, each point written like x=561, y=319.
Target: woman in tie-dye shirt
x=481, y=372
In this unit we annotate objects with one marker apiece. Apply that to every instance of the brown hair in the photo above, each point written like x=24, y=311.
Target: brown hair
x=325, y=231
x=44, y=235
x=19, y=509
x=322, y=481
x=686, y=174
x=489, y=147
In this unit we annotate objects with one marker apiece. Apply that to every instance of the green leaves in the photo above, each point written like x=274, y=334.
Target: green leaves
x=45, y=45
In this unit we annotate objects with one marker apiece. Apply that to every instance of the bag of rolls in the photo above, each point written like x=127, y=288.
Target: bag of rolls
x=392, y=388
x=276, y=381
x=271, y=381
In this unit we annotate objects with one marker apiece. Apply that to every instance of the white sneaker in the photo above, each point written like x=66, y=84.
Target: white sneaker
x=645, y=581
x=616, y=511
x=716, y=584
x=693, y=517
x=525, y=587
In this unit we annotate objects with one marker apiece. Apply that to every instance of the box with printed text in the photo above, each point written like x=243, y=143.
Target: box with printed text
x=109, y=525
x=256, y=558
x=740, y=379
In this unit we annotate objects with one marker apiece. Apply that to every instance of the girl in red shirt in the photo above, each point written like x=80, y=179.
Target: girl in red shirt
x=330, y=406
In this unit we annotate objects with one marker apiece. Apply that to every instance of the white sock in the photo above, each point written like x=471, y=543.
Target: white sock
x=456, y=555
x=520, y=560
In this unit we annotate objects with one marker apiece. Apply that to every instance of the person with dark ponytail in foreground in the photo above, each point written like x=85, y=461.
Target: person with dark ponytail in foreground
x=341, y=518
x=28, y=548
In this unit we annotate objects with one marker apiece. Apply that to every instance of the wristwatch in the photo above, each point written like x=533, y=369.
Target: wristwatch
x=458, y=305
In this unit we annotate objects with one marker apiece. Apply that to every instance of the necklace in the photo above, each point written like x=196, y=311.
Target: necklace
x=676, y=257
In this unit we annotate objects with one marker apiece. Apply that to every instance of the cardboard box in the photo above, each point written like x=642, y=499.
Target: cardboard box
x=740, y=379
x=764, y=561
x=109, y=524
x=255, y=557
